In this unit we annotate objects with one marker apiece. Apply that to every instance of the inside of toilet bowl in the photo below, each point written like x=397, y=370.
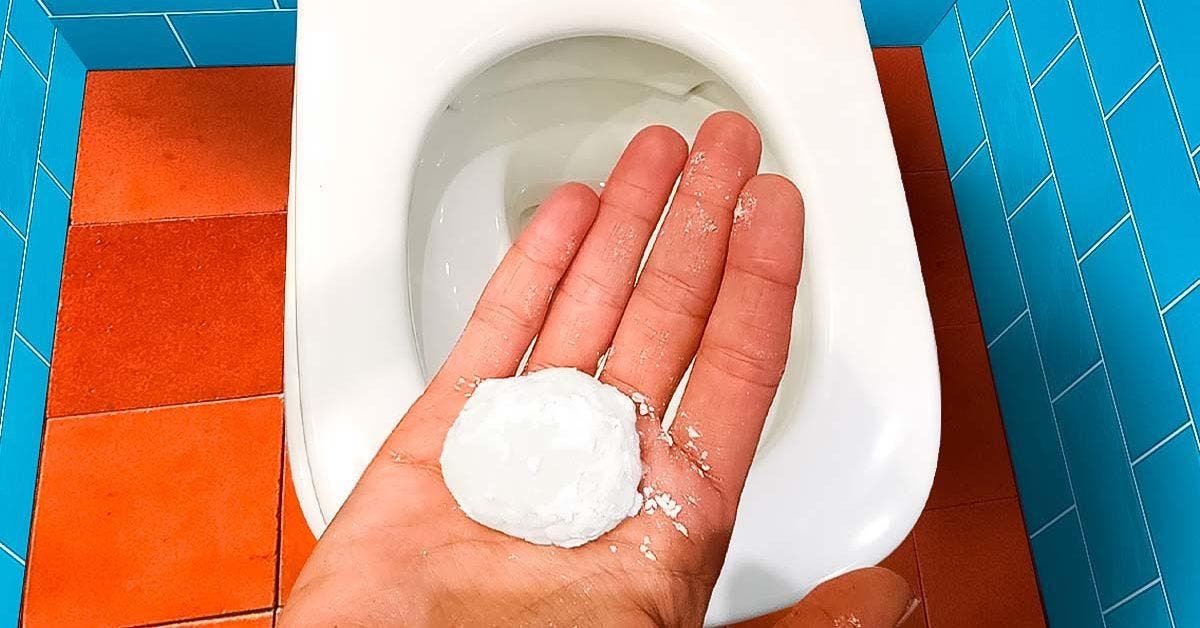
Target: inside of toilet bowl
x=560, y=111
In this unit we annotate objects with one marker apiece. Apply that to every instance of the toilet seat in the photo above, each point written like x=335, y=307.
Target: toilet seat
x=846, y=483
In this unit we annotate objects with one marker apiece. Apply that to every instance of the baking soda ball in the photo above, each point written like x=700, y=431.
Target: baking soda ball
x=552, y=458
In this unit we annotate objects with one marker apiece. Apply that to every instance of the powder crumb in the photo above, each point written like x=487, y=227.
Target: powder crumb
x=693, y=432
x=612, y=548
x=704, y=455
x=665, y=437
x=458, y=385
x=691, y=445
x=647, y=491
x=697, y=158
x=650, y=555
x=512, y=556
x=705, y=467
x=637, y=397
x=643, y=409
x=692, y=500
x=646, y=540
x=710, y=226
x=682, y=528
x=649, y=506
x=668, y=504
x=424, y=552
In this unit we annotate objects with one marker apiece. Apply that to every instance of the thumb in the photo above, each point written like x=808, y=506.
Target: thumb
x=867, y=598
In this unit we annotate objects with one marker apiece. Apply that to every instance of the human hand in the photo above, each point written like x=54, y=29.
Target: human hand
x=719, y=285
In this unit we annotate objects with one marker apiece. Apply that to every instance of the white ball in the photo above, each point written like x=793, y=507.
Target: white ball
x=552, y=458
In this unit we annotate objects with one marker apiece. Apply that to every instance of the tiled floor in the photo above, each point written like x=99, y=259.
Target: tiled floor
x=164, y=495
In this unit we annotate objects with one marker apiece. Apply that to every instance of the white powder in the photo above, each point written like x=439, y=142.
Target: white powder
x=551, y=458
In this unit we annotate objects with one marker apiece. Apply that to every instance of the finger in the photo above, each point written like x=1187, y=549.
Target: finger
x=514, y=302
x=660, y=329
x=871, y=598
x=744, y=348
x=588, y=303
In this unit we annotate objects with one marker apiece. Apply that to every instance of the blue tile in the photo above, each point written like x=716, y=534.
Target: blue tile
x=82, y=7
x=262, y=38
x=978, y=17
x=1060, y=559
x=64, y=110
x=1170, y=483
x=1131, y=337
x=1029, y=425
x=1105, y=496
x=1056, y=303
x=22, y=94
x=1175, y=23
x=12, y=578
x=11, y=250
x=953, y=96
x=291, y=4
x=1161, y=184
x=31, y=28
x=1009, y=115
x=989, y=249
x=889, y=22
x=1118, y=45
x=1147, y=610
x=1045, y=26
x=1083, y=162
x=105, y=43
x=43, y=265
x=1183, y=321
x=20, y=444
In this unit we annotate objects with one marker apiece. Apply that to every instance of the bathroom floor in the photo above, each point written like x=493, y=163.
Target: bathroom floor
x=163, y=493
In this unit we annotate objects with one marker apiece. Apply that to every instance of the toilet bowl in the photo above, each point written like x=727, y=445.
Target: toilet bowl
x=424, y=137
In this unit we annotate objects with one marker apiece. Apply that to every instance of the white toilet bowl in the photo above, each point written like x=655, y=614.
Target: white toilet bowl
x=423, y=136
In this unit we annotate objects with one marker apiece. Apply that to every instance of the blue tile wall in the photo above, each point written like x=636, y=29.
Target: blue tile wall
x=891, y=22
x=1084, y=158
x=41, y=97
x=125, y=34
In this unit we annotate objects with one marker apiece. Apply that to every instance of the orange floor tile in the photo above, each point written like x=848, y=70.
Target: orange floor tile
x=297, y=539
x=169, y=312
x=973, y=463
x=904, y=562
x=183, y=143
x=248, y=620
x=976, y=567
x=940, y=248
x=156, y=515
x=909, y=109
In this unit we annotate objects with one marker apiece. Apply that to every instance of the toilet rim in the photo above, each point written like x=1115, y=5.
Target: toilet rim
x=872, y=360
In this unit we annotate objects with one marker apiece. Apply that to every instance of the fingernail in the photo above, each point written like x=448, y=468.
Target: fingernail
x=912, y=608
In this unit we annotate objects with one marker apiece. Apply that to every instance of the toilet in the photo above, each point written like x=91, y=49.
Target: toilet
x=426, y=134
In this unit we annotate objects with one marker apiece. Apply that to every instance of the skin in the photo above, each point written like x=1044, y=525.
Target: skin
x=400, y=552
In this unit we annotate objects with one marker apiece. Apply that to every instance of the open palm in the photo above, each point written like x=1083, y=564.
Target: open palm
x=719, y=286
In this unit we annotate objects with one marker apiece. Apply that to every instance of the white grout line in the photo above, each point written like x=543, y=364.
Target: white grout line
x=1170, y=98
x=1195, y=151
x=182, y=46
x=1036, y=189
x=1055, y=60
x=1056, y=519
x=87, y=16
x=986, y=38
x=1186, y=291
x=969, y=157
x=11, y=554
x=1075, y=383
x=1006, y=329
x=45, y=9
x=17, y=45
x=1166, y=439
x=1142, y=589
x=1104, y=238
x=1150, y=280
x=4, y=27
x=54, y=179
x=275, y=3
x=1133, y=89
x=12, y=226
x=29, y=345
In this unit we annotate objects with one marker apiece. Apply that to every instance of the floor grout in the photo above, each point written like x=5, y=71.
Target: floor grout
x=254, y=214
x=167, y=406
